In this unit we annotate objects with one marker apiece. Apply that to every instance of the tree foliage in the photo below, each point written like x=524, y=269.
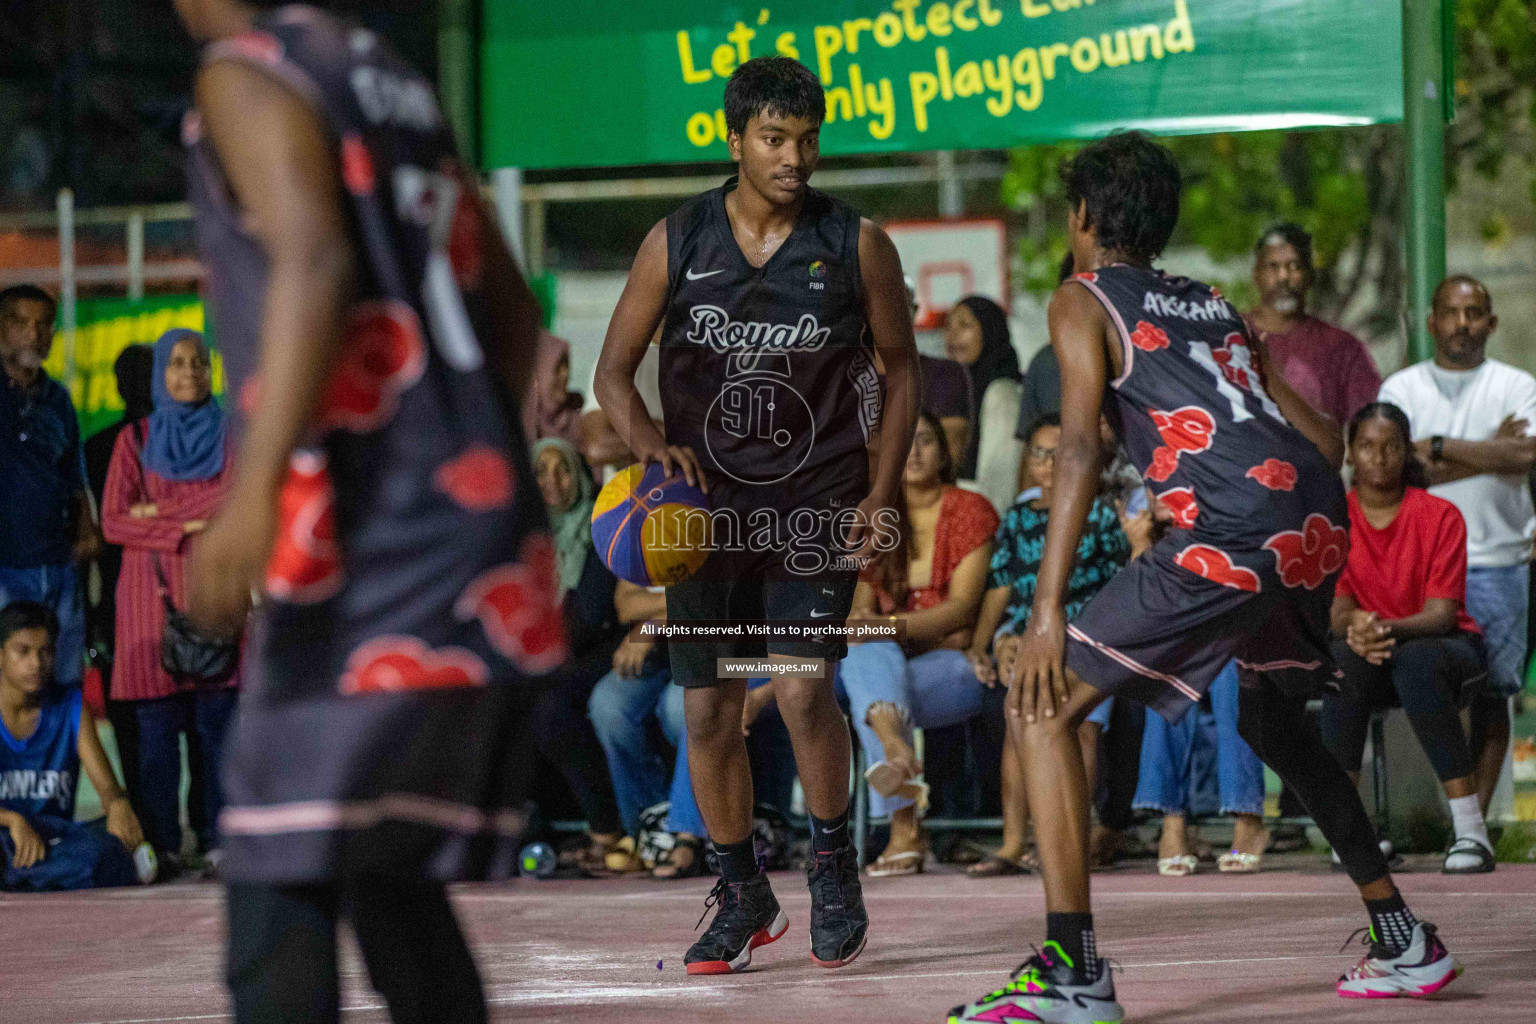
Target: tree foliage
x=1344, y=185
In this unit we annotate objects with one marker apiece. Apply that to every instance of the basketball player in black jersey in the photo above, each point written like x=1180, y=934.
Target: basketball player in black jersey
x=378, y=336
x=1246, y=574
x=773, y=300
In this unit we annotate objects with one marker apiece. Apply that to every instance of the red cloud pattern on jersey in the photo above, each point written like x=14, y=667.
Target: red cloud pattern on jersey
x=1307, y=557
x=1189, y=429
x=1275, y=474
x=1149, y=337
x=390, y=664
x=479, y=479
x=517, y=608
x=305, y=566
x=382, y=354
x=1217, y=566
x=1236, y=360
x=1180, y=502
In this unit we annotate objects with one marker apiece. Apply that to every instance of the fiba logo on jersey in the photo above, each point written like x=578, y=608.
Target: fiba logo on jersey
x=759, y=429
x=818, y=272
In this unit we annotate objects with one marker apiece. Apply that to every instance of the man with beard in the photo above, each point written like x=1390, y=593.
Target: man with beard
x=1327, y=366
x=1471, y=418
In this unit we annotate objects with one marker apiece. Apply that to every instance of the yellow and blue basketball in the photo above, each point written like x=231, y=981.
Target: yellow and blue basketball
x=650, y=528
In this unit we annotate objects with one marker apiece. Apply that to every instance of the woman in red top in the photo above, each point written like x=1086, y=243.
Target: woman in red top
x=168, y=474
x=935, y=587
x=1399, y=611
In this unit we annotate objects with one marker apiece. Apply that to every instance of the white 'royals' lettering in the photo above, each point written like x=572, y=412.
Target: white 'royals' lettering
x=714, y=327
x=1167, y=305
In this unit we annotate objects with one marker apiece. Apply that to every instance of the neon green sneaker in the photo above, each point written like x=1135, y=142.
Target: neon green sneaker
x=1046, y=988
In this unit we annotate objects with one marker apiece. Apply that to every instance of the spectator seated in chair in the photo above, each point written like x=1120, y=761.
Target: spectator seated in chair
x=1005, y=610
x=561, y=731
x=1399, y=612
x=934, y=582
x=46, y=737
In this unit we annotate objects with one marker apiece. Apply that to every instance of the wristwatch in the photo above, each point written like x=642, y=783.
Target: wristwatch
x=1436, y=448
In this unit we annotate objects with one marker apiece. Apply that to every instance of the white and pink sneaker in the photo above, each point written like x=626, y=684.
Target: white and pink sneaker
x=1422, y=969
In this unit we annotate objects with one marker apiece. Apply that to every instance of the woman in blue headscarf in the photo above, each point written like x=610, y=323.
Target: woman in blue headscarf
x=168, y=475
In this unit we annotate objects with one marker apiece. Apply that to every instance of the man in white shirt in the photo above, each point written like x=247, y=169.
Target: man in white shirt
x=1471, y=418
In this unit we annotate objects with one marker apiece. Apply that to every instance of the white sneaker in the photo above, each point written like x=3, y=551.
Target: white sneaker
x=1422, y=969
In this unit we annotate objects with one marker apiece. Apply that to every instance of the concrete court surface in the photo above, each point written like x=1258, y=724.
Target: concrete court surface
x=1212, y=948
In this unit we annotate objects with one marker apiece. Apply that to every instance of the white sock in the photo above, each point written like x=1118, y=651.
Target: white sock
x=1468, y=819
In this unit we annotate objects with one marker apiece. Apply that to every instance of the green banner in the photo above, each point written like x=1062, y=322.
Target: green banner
x=104, y=327
x=621, y=82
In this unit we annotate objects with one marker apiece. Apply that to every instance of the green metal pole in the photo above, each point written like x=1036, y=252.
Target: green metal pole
x=456, y=78
x=1424, y=107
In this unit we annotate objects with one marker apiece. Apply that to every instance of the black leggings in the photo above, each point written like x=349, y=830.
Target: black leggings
x=282, y=952
x=1277, y=728
x=1425, y=676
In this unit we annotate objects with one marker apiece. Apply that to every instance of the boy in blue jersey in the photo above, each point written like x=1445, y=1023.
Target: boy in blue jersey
x=46, y=737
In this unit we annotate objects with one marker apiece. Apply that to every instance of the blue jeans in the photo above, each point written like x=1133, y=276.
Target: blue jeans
x=161, y=722
x=81, y=855
x=56, y=586
x=935, y=689
x=1167, y=758
x=1497, y=600
x=621, y=710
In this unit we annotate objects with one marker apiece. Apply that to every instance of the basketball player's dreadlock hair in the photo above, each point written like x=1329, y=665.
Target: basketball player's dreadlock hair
x=777, y=84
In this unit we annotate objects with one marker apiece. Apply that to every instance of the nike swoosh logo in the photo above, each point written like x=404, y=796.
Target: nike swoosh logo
x=819, y=615
x=690, y=275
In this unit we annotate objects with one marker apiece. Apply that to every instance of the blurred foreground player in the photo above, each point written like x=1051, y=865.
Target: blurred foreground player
x=377, y=336
x=1261, y=534
x=773, y=300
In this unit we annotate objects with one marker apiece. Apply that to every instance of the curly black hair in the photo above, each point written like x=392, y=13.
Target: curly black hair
x=779, y=84
x=1131, y=185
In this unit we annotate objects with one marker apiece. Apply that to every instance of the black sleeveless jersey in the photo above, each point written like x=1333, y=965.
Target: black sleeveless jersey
x=1209, y=440
x=767, y=372
x=411, y=590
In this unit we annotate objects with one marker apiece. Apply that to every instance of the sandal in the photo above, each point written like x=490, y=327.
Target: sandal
x=621, y=859
x=1236, y=862
x=1177, y=867
x=887, y=779
x=908, y=862
x=1467, y=844
x=995, y=866
x=693, y=869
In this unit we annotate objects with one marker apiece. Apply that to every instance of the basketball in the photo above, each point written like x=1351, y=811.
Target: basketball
x=649, y=528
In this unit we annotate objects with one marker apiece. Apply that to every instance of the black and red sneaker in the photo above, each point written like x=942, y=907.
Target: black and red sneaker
x=746, y=916
x=839, y=922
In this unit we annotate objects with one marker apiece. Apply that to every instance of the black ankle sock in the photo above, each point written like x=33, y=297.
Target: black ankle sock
x=829, y=834
x=1391, y=922
x=738, y=861
x=1073, y=935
